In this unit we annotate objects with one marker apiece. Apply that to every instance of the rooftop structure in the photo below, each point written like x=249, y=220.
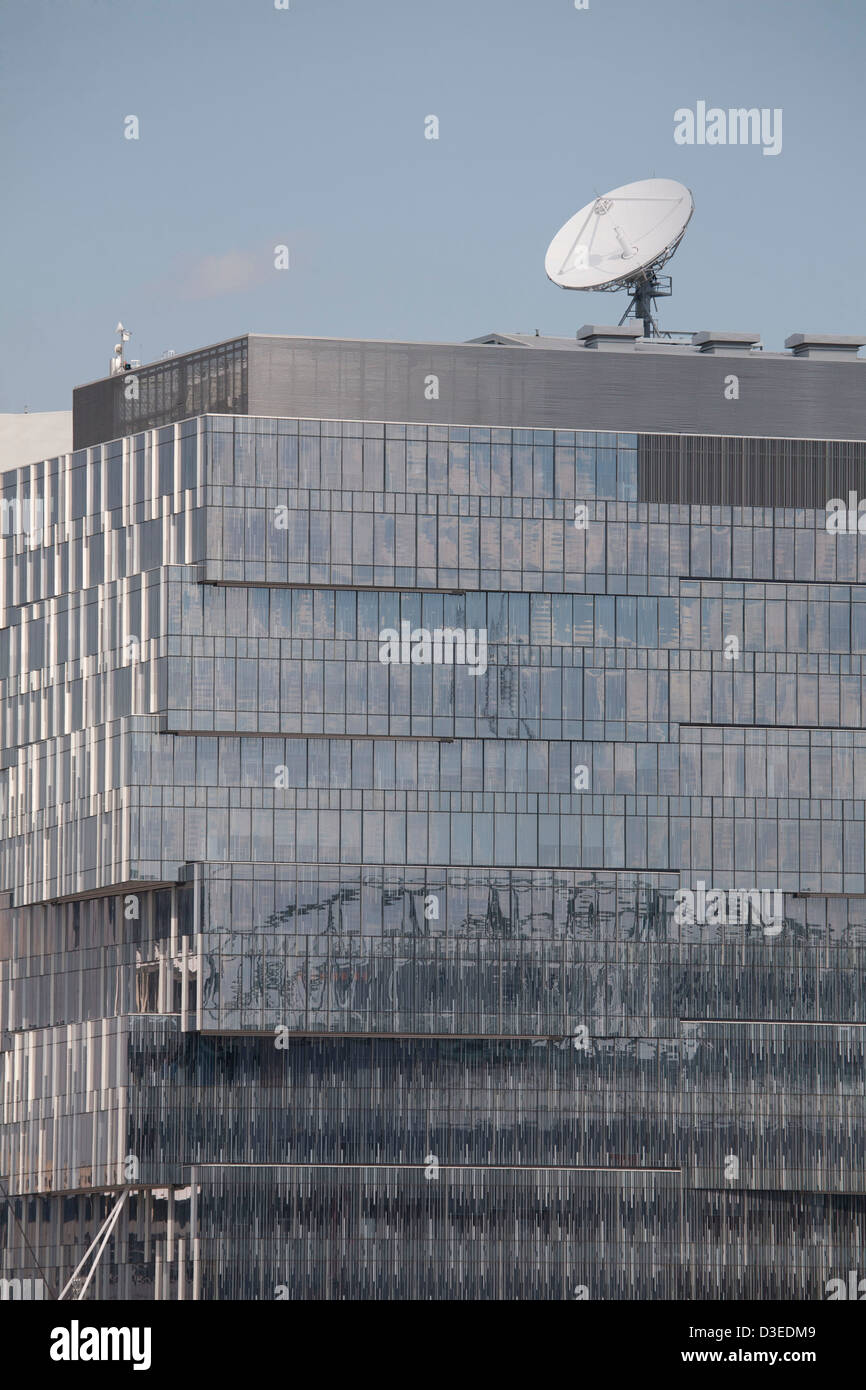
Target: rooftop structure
x=646, y=385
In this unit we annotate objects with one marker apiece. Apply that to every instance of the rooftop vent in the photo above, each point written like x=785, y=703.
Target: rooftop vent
x=833, y=347
x=610, y=337
x=731, y=344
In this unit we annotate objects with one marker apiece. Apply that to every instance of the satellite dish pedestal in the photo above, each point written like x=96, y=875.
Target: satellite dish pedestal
x=644, y=292
x=620, y=242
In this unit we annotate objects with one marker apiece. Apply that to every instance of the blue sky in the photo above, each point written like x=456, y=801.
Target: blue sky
x=261, y=127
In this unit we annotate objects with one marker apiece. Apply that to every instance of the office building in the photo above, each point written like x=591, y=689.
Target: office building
x=433, y=794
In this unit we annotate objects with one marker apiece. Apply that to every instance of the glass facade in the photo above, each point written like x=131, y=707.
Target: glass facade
x=518, y=967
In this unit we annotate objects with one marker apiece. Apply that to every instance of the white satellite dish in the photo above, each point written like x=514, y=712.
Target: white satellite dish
x=621, y=241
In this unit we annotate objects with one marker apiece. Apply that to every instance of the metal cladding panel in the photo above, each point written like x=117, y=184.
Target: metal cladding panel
x=211, y=380
x=95, y=408
x=731, y=472
x=536, y=387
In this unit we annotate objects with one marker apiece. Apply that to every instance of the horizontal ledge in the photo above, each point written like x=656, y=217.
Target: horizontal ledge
x=695, y=724
x=552, y=1038
x=450, y=1167
x=129, y=886
x=259, y=733
x=366, y=588
x=777, y=1022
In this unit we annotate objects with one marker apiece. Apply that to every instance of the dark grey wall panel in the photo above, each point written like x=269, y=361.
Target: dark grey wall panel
x=731, y=472
x=213, y=380
x=585, y=389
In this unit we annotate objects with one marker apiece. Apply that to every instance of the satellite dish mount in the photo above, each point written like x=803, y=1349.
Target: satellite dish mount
x=644, y=293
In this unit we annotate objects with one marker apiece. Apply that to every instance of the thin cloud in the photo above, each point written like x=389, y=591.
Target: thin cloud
x=225, y=274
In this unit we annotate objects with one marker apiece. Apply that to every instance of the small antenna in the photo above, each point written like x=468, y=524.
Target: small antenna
x=118, y=365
